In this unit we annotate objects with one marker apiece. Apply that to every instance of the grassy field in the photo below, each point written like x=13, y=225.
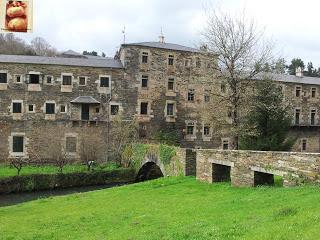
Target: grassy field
x=169, y=208
x=8, y=171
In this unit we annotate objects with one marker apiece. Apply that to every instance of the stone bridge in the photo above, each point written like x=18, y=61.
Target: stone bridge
x=251, y=168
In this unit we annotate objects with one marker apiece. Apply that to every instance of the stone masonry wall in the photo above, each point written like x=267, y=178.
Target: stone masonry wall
x=292, y=166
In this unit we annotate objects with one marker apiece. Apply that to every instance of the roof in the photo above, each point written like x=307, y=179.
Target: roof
x=290, y=78
x=85, y=99
x=170, y=46
x=71, y=52
x=85, y=62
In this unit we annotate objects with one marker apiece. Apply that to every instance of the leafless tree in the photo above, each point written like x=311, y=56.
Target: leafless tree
x=238, y=50
x=91, y=147
x=122, y=133
x=18, y=163
x=42, y=48
x=9, y=44
x=52, y=148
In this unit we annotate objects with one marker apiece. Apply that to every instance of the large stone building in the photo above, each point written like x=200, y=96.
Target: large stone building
x=161, y=85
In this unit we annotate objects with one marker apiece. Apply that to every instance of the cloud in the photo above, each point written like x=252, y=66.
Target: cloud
x=97, y=24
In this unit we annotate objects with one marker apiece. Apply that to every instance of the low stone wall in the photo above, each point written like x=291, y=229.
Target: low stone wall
x=37, y=182
x=294, y=167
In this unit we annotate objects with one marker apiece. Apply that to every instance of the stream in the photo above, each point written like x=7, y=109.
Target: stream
x=16, y=198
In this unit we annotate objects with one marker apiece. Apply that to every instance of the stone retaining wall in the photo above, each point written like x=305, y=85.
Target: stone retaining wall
x=293, y=167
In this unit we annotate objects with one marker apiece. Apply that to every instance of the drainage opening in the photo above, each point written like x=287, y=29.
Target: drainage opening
x=220, y=173
x=267, y=179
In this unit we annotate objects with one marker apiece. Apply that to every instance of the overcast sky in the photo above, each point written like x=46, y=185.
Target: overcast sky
x=97, y=24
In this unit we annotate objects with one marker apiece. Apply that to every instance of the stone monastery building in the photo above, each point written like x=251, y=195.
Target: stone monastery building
x=158, y=84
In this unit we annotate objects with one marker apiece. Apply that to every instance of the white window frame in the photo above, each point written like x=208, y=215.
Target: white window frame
x=45, y=105
x=67, y=75
x=103, y=76
x=21, y=78
x=45, y=79
x=34, y=108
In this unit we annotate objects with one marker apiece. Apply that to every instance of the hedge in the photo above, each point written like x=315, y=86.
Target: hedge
x=36, y=182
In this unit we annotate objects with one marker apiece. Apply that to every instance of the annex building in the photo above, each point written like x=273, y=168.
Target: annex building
x=160, y=85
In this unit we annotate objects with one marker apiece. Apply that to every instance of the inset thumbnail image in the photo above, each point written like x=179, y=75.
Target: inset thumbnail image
x=16, y=16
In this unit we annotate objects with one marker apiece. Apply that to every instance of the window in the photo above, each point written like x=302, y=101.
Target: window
x=97, y=110
x=144, y=81
x=67, y=80
x=170, y=60
x=16, y=107
x=206, y=96
x=114, y=109
x=223, y=87
x=191, y=95
x=313, y=92
x=31, y=108
x=18, y=78
x=49, y=79
x=18, y=144
x=206, y=130
x=144, y=57
x=34, y=79
x=104, y=81
x=71, y=144
x=190, y=130
x=171, y=84
x=144, y=108
x=62, y=108
x=225, y=144
x=3, y=77
x=170, y=109
x=304, y=144
x=50, y=108
x=298, y=91
x=82, y=81
x=297, y=117
x=313, y=117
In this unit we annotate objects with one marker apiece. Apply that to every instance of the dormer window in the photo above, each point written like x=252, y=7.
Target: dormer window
x=170, y=60
x=3, y=78
x=34, y=79
x=104, y=81
x=145, y=56
x=66, y=80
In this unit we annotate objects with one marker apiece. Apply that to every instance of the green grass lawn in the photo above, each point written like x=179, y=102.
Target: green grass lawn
x=8, y=171
x=169, y=208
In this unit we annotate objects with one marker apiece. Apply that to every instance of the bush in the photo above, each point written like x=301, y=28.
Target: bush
x=37, y=182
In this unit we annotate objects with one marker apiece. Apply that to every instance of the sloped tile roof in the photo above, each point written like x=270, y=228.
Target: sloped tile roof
x=85, y=99
x=170, y=46
x=86, y=62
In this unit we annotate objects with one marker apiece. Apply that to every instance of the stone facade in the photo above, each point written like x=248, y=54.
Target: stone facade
x=247, y=168
x=160, y=85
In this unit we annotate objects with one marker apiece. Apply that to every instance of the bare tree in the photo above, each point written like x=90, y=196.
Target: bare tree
x=18, y=163
x=238, y=51
x=122, y=133
x=52, y=148
x=42, y=48
x=9, y=44
x=91, y=147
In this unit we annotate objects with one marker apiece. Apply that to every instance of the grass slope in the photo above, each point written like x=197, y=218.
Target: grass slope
x=169, y=208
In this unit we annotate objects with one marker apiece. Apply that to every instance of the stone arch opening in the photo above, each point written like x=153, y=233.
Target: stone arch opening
x=149, y=171
x=220, y=173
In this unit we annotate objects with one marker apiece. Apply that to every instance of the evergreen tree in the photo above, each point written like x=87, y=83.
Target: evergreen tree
x=309, y=69
x=295, y=63
x=268, y=121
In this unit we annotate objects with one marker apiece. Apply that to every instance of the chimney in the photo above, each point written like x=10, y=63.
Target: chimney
x=299, y=72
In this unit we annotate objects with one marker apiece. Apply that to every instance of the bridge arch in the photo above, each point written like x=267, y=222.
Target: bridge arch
x=150, y=168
